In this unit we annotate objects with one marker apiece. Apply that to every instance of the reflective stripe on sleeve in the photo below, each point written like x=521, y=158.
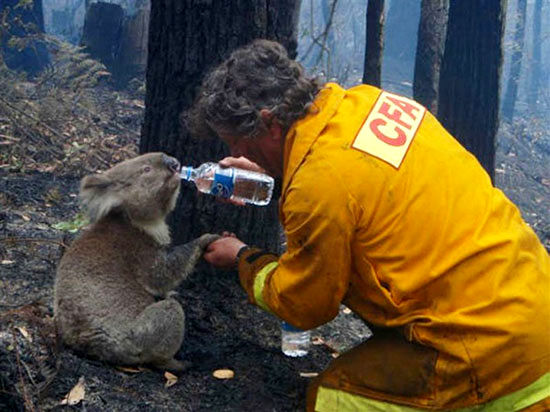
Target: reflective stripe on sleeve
x=329, y=400
x=259, y=282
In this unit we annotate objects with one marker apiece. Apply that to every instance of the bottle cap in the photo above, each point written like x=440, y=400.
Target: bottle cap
x=185, y=172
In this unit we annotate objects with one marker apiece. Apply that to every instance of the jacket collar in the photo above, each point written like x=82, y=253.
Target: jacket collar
x=304, y=132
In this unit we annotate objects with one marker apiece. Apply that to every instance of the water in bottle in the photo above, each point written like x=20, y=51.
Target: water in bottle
x=231, y=183
x=294, y=342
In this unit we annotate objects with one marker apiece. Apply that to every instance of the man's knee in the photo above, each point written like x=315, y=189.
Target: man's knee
x=386, y=367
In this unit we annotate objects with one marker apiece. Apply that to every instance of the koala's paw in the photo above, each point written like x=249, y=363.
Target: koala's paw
x=206, y=239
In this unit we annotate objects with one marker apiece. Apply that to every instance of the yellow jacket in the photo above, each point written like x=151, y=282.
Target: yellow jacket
x=411, y=235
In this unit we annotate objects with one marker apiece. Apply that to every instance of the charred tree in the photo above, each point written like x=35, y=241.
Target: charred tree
x=187, y=38
x=432, y=30
x=117, y=39
x=536, y=64
x=515, y=65
x=131, y=61
x=21, y=30
x=101, y=32
x=470, y=75
x=372, y=73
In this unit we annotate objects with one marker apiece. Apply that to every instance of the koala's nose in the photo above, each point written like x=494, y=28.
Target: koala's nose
x=171, y=163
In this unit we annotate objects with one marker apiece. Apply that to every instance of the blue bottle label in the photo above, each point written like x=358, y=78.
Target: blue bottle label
x=289, y=328
x=222, y=185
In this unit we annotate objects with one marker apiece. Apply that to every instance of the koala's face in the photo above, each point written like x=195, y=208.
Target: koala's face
x=146, y=188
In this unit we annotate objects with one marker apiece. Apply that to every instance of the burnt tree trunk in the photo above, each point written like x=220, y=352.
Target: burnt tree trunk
x=131, y=60
x=432, y=30
x=372, y=73
x=470, y=75
x=186, y=38
x=101, y=32
x=23, y=25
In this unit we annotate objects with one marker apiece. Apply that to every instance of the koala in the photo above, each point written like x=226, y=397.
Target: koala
x=113, y=297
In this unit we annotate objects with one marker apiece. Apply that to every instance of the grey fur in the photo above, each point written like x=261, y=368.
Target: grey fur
x=114, y=284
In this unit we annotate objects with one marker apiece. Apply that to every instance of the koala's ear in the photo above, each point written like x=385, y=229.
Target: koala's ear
x=98, y=196
x=97, y=181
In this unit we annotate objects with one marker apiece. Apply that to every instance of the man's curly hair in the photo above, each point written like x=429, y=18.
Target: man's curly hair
x=257, y=76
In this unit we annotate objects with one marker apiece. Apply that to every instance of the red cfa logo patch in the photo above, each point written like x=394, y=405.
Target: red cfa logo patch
x=390, y=128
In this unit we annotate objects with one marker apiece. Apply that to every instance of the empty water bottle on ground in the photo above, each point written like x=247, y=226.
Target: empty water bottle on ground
x=294, y=342
x=230, y=183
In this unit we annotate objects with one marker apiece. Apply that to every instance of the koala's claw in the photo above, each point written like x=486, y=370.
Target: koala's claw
x=206, y=239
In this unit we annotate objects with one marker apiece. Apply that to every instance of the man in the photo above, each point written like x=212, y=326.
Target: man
x=387, y=213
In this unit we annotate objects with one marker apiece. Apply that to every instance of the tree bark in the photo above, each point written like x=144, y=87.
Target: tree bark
x=429, y=52
x=536, y=65
x=131, y=61
x=515, y=65
x=102, y=31
x=372, y=73
x=470, y=75
x=186, y=38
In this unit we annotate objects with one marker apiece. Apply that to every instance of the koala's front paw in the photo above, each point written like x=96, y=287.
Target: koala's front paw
x=206, y=239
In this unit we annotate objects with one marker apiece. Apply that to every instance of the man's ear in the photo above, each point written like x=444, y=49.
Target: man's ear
x=272, y=124
x=266, y=116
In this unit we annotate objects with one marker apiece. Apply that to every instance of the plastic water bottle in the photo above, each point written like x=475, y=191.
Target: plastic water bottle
x=231, y=183
x=294, y=342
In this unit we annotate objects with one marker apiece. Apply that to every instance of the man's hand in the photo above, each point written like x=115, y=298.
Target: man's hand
x=222, y=253
x=241, y=163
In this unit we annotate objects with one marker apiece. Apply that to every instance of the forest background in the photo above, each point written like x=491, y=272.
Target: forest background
x=77, y=94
